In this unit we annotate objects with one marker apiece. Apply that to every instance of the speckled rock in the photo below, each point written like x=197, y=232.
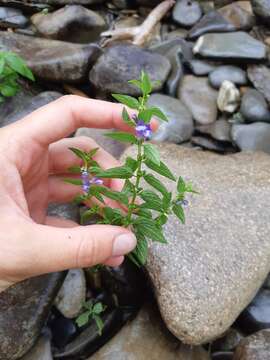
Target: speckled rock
x=238, y=16
x=147, y=338
x=121, y=63
x=262, y=9
x=187, y=12
x=228, y=97
x=179, y=128
x=52, y=59
x=212, y=267
x=254, y=107
x=254, y=347
x=259, y=75
x=13, y=18
x=229, y=341
x=231, y=73
x=199, y=97
x=41, y=350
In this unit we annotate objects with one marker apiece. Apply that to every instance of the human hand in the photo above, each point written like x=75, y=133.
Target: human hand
x=34, y=159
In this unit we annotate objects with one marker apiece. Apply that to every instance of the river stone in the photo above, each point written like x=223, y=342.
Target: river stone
x=64, y=2
x=227, y=72
x=262, y=9
x=51, y=59
x=61, y=24
x=208, y=143
x=200, y=67
x=222, y=355
x=259, y=75
x=252, y=137
x=24, y=308
x=211, y=22
x=41, y=350
x=232, y=46
x=147, y=338
x=219, y=130
x=254, y=347
x=254, y=107
x=228, y=97
x=239, y=17
x=186, y=12
x=212, y=267
x=25, y=5
x=121, y=63
x=72, y=294
x=199, y=98
x=179, y=128
x=13, y=18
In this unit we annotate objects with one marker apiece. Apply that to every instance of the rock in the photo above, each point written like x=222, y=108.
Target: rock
x=212, y=267
x=227, y=72
x=121, y=63
x=239, y=17
x=199, y=98
x=63, y=330
x=219, y=130
x=257, y=315
x=147, y=338
x=228, y=97
x=228, y=342
x=253, y=137
x=40, y=351
x=259, y=75
x=24, y=309
x=22, y=105
x=65, y=2
x=213, y=21
x=26, y=6
x=61, y=24
x=262, y=9
x=64, y=211
x=180, y=125
x=10, y=17
x=208, y=143
x=232, y=46
x=186, y=12
x=200, y=67
x=51, y=59
x=254, y=347
x=254, y=107
x=222, y=355
x=72, y=294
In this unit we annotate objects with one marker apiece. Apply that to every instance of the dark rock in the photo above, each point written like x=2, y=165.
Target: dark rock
x=179, y=128
x=210, y=144
x=62, y=23
x=219, y=130
x=26, y=6
x=262, y=9
x=64, y=2
x=187, y=12
x=253, y=137
x=13, y=18
x=24, y=309
x=259, y=75
x=228, y=342
x=230, y=46
x=63, y=330
x=211, y=22
x=254, y=347
x=239, y=17
x=51, y=59
x=222, y=355
x=200, y=67
x=254, y=107
x=227, y=72
x=121, y=63
x=41, y=350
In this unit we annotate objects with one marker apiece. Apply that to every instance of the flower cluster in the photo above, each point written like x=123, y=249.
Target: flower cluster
x=87, y=182
x=143, y=131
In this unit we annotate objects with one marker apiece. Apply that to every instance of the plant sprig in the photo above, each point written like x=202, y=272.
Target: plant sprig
x=92, y=312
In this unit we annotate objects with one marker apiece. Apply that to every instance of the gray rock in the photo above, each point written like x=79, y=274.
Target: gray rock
x=212, y=267
x=200, y=67
x=254, y=107
x=187, y=12
x=199, y=98
x=179, y=128
x=211, y=22
x=227, y=72
x=40, y=351
x=229, y=341
x=64, y=2
x=25, y=5
x=262, y=9
x=252, y=137
x=51, y=59
x=211, y=144
x=254, y=347
x=239, y=17
x=147, y=338
x=13, y=18
x=121, y=63
x=233, y=46
x=219, y=130
x=61, y=24
x=64, y=211
x=259, y=75
x=22, y=105
x=24, y=308
x=228, y=97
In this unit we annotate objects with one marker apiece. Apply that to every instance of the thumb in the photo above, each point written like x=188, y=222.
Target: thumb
x=56, y=249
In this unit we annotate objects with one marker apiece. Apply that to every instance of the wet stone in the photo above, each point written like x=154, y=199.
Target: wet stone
x=254, y=107
x=231, y=73
x=10, y=17
x=186, y=12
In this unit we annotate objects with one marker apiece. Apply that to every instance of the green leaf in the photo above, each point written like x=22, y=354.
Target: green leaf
x=79, y=199
x=157, y=112
x=83, y=319
x=136, y=83
x=152, y=200
x=131, y=163
x=139, y=254
x=181, y=185
x=98, y=308
x=128, y=188
x=17, y=64
x=166, y=201
x=127, y=100
x=95, y=191
x=155, y=183
x=123, y=137
x=144, y=213
x=121, y=172
x=8, y=90
x=161, y=169
x=114, y=216
x=99, y=323
x=89, y=213
x=80, y=154
x=151, y=153
x=146, y=83
x=74, y=169
x=161, y=220
x=92, y=152
x=179, y=212
x=148, y=228
x=88, y=305
x=73, y=181
x=126, y=118
x=114, y=195
x=2, y=64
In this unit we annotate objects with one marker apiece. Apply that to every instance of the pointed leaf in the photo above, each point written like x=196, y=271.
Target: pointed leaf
x=83, y=319
x=73, y=181
x=99, y=323
x=179, y=212
x=148, y=228
x=126, y=118
x=151, y=153
x=155, y=183
x=123, y=137
x=121, y=172
x=127, y=100
x=79, y=153
x=181, y=185
x=161, y=169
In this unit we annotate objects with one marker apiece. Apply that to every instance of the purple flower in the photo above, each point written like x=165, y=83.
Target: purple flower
x=143, y=130
x=182, y=202
x=96, y=181
x=85, y=181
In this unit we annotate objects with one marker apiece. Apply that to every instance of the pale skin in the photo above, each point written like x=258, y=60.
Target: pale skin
x=34, y=159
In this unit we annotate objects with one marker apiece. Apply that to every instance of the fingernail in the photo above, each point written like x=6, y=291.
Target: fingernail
x=123, y=244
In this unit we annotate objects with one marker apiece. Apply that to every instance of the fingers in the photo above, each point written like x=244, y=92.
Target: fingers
x=60, y=222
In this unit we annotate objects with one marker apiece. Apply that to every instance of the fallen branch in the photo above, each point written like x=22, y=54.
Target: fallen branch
x=140, y=34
